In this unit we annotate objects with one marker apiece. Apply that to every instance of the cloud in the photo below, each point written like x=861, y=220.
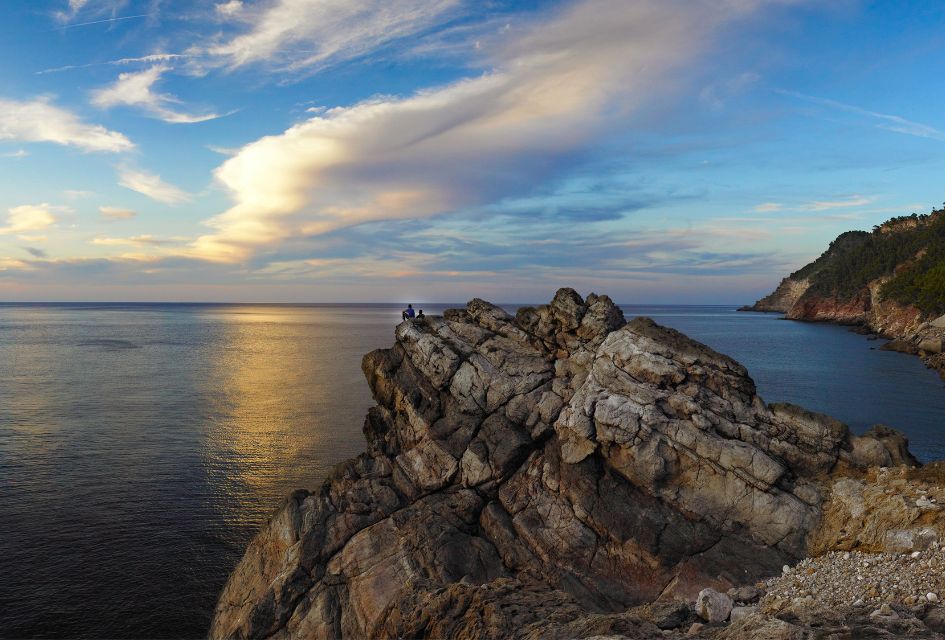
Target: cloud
x=468, y=143
x=72, y=8
x=117, y=213
x=29, y=217
x=151, y=58
x=304, y=34
x=886, y=121
x=152, y=186
x=230, y=8
x=36, y=252
x=817, y=205
x=19, y=153
x=135, y=89
x=850, y=201
x=40, y=121
x=136, y=241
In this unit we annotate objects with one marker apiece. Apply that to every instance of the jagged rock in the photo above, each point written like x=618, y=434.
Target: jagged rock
x=534, y=476
x=713, y=606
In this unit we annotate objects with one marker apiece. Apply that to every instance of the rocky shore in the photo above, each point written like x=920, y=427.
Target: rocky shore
x=903, y=326
x=566, y=474
x=818, y=293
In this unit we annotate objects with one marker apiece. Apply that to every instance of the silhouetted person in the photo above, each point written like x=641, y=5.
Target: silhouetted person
x=420, y=315
x=408, y=313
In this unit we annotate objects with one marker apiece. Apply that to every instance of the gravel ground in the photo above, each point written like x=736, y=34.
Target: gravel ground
x=844, y=578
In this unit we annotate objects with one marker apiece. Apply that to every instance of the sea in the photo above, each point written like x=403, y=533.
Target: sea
x=143, y=445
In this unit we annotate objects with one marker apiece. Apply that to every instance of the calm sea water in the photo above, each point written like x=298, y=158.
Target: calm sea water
x=141, y=446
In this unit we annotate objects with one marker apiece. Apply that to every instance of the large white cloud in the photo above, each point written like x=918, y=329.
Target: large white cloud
x=41, y=121
x=552, y=90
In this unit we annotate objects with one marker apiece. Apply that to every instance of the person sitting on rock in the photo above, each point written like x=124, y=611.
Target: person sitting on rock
x=407, y=313
x=420, y=315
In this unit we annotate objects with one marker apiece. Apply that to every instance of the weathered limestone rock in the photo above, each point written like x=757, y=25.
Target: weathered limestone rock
x=535, y=476
x=713, y=606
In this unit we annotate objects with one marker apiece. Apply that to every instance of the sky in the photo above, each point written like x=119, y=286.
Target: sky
x=659, y=151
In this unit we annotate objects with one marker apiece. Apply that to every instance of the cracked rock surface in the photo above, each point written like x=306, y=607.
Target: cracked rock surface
x=543, y=476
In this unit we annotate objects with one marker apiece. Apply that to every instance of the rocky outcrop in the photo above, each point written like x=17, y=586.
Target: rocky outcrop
x=547, y=476
x=782, y=299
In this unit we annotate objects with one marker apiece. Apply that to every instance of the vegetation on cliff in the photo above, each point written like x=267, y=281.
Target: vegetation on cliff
x=909, y=248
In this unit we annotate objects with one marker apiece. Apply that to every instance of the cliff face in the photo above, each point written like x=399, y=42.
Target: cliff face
x=535, y=476
x=783, y=298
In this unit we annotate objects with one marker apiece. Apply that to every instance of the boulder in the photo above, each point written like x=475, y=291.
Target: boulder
x=712, y=606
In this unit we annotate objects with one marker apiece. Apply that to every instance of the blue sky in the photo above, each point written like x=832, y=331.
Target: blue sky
x=329, y=150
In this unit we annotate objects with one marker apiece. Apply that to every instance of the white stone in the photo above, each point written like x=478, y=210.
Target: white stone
x=931, y=597
x=713, y=606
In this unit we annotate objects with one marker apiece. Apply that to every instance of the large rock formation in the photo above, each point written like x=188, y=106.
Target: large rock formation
x=783, y=298
x=539, y=475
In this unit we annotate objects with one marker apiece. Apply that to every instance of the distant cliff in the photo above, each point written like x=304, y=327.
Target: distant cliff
x=566, y=474
x=891, y=281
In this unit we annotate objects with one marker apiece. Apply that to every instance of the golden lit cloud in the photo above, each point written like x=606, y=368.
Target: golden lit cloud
x=29, y=217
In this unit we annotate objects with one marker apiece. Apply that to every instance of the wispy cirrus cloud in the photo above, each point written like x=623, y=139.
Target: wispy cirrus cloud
x=886, y=121
x=844, y=202
x=144, y=240
x=230, y=8
x=136, y=89
x=304, y=34
x=39, y=120
x=841, y=203
x=151, y=185
x=69, y=11
x=468, y=143
x=147, y=59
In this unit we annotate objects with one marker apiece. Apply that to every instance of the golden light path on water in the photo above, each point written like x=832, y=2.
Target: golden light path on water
x=142, y=446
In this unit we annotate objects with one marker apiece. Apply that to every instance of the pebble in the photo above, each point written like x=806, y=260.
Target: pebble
x=844, y=578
